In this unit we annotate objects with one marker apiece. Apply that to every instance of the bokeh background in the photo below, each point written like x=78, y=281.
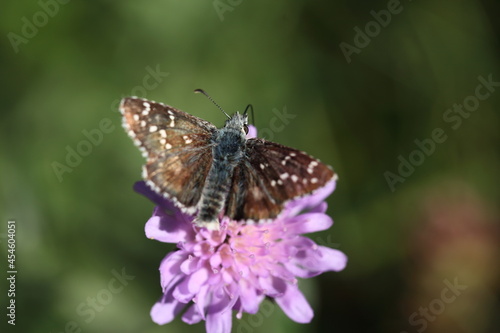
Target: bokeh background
x=357, y=102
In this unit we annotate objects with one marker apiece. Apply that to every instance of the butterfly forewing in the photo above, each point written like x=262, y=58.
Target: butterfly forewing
x=270, y=175
x=157, y=128
x=177, y=147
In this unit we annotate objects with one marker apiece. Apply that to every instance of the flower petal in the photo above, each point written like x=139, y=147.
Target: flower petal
x=331, y=259
x=167, y=228
x=190, y=265
x=252, y=132
x=309, y=262
x=309, y=222
x=191, y=316
x=202, y=301
x=187, y=289
x=170, y=268
x=166, y=309
x=311, y=201
x=250, y=301
x=272, y=286
x=222, y=299
x=219, y=322
x=142, y=188
x=295, y=305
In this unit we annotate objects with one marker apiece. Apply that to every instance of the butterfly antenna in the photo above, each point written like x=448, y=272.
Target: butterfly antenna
x=249, y=106
x=211, y=99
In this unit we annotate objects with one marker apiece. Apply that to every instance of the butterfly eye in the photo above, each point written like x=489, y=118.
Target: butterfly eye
x=245, y=128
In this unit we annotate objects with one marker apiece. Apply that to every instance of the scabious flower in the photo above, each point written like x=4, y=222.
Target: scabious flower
x=213, y=272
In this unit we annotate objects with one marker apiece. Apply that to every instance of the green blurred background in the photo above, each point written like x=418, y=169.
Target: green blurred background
x=359, y=110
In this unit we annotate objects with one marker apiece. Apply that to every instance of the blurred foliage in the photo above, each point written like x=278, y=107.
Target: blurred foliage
x=74, y=229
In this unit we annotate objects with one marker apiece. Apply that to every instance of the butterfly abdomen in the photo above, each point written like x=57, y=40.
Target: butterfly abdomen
x=227, y=152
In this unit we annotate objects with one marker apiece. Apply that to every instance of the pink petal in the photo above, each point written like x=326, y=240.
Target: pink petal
x=309, y=222
x=190, y=265
x=170, y=267
x=331, y=259
x=295, y=306
x=321, y=208
x=219, y=322
x=248, y=297
x=202, y=301
x=165, y=228
x=311, y=262
x=197, y=279
x=252, y=132
x=186, y=290
x=273, y=286
x=203, y=250
x=222, y=300
x=191, y=316
x=311, y=201
x=166, y=309
x=163, y=313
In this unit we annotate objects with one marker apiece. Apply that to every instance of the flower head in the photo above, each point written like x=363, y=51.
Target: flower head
x=213, y=273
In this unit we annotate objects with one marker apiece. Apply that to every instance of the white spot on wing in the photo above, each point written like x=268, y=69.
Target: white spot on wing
x=153, y=128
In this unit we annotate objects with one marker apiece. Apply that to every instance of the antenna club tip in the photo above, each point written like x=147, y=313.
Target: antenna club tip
x=199, y=91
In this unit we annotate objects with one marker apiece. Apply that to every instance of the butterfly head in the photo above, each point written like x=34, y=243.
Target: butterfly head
x=238, y=121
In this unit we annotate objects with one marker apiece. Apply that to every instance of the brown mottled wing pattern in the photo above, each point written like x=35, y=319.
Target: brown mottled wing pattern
x=270, y=175
x=177, y=147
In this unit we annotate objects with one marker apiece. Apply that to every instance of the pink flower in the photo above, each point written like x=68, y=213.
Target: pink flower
x=215, y=272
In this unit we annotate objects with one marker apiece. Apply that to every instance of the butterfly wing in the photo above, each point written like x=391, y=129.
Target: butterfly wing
x=177, y=146
x=270, y=175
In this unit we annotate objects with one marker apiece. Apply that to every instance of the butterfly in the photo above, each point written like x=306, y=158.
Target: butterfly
x=215, y=172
